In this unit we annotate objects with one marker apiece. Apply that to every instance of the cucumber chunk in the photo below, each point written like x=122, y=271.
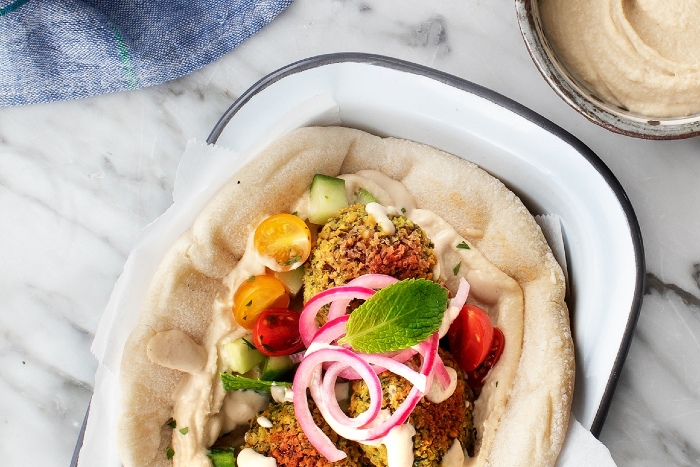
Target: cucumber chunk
x=292, y=280
x=326, y=197
x=222, y=457
x=242, y=356
x=277, y=368
x=365, y=197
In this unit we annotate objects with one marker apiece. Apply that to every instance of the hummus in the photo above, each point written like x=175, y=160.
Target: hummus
x=640, y=55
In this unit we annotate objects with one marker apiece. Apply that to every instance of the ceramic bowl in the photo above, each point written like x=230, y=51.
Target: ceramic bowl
x=584, y=101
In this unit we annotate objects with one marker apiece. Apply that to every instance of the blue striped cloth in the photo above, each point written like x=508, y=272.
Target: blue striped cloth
x=66, y=49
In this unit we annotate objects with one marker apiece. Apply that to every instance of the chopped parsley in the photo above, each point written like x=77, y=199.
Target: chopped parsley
x=170, y=452
x=463, y=246
x=184, y=431
x=455, y=270
x=172, y=423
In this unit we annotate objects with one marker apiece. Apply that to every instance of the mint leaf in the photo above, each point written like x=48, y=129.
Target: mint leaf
x=238, y=383
x=397, y=317
x=222, y=457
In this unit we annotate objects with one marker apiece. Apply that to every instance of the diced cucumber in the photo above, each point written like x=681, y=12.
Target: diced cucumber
x=364, y=197
x=222, y=457
x=277, y=368
x=242, y=356
x=292, y=280
x=326, y=197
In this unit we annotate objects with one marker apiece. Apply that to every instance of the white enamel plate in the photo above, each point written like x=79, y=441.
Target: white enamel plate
x=552, y=172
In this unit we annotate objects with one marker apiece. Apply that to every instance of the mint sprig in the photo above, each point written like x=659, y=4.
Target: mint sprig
x=396, y=317
x=238, y=383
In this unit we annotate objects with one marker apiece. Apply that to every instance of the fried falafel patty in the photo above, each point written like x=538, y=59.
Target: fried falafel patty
x=437, y=425
x=352, y=243
x=287, y=443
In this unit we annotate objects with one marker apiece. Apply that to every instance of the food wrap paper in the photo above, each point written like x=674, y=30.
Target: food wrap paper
x=203, y=170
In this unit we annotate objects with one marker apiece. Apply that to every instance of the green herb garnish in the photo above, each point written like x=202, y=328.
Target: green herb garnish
x=463, y=246
x=455, y=269
x=250, y=345
x=292, y=260
x=251, y=278
x=238, y=383
x=172, y=423
x=397, y=317
x=249, y=303
x=222, y=457
x=169, y=453
x=184, y=431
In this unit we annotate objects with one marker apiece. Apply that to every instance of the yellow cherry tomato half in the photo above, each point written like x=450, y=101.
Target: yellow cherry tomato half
x=283, y=242
x=255, y=295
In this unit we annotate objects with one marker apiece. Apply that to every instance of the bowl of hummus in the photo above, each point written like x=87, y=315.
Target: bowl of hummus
x=631, y=66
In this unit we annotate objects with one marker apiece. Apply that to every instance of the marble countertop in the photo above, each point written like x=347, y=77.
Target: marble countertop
x=80, y=179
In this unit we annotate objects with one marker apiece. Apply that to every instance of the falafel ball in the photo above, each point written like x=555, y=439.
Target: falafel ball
x=287, y=443
x=437, y=425
x=352, y=243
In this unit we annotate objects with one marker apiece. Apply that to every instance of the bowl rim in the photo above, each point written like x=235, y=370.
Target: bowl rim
x=577, y=97
x=515, y=107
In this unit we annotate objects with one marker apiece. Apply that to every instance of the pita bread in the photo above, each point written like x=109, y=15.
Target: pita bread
x=535, y=400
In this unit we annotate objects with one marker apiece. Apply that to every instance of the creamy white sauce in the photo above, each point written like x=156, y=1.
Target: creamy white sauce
x=380, y=214
x=437, y=394
x=176, y=350
x=354, y=182
x=264, y=422
x=249, y=458
x=399, y=445
x=282, y=394
x=400, y=196
x=454, y=457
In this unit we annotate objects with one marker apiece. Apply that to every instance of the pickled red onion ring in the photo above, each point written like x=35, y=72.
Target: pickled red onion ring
x=324, y=362
x=307, y=320
x=308, y=375
x=373, y=281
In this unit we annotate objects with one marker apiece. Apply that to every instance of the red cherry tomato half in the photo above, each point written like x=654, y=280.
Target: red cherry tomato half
x=276, y=332
x=470, y=337
x=476, y=378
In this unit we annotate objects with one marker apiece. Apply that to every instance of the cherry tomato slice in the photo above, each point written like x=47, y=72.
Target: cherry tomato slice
x=276, y=332
x=255, y=295
x=476, y=378
x=283, y=241
x=470, y=337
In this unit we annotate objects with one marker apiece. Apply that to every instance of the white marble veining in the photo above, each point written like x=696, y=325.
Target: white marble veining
x=79, y=180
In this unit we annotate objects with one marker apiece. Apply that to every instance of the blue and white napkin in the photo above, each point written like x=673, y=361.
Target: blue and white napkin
x=65, y=49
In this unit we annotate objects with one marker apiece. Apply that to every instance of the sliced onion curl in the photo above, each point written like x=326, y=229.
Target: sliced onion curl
x=324, y=362
x=307, y=320
x=454, y=306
